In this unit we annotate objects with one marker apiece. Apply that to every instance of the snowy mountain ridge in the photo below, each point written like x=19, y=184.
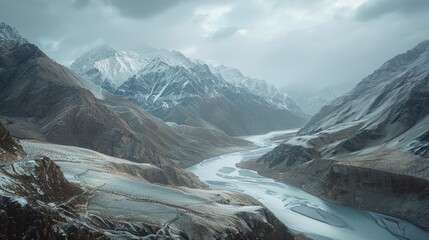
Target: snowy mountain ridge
x=163, y=85
x=109, y=68
x=8, y=33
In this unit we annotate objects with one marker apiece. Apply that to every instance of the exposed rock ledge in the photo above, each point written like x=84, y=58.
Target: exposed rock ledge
x=9, y=148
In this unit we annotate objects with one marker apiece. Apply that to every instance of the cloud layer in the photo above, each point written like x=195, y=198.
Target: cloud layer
x=293, y=43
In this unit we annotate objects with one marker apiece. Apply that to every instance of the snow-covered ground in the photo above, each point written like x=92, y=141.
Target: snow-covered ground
x=300, y=211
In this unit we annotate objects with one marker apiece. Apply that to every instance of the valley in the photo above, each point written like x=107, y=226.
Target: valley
x=302, y=212
x=145, y=143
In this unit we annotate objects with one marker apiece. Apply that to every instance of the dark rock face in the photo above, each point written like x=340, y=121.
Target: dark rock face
x=403, y=196
x=29, y=222
x=9, y=148
x=30, y=187
x=274, y=230
x=421, y=145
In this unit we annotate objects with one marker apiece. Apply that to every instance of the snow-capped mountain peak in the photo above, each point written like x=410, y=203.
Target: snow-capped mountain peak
x=107, y=66
x=8, y=33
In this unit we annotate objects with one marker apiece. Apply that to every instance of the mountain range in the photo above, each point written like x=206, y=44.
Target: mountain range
x=187, y=91
x=91, y=165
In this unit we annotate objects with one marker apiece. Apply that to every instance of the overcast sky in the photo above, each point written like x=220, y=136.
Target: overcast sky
x=304, y=43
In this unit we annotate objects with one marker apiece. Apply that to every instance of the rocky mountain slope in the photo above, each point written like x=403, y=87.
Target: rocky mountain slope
x=388, y=103
x=368, y=148
x=188, y=91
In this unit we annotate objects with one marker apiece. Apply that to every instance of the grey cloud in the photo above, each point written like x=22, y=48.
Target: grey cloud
x=336, y=50
x=81, y=3
x=373, y=9
x=142, y=9
x=224, y=33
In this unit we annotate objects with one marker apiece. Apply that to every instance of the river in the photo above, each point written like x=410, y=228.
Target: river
x=297, y=209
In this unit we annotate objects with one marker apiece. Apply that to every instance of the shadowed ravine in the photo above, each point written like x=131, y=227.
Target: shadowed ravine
x=300, y=211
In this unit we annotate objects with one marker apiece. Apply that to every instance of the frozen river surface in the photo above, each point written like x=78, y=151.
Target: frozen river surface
x=300, y=211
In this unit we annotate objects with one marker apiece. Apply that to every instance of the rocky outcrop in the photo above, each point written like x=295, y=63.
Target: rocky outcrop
x=28, y=222
x=9, y=148
x=396, y=195
x=40, y=178
x=37, y=202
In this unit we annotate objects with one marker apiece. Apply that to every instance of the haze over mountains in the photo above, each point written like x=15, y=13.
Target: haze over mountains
x=312, y=101
x=187, y=91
